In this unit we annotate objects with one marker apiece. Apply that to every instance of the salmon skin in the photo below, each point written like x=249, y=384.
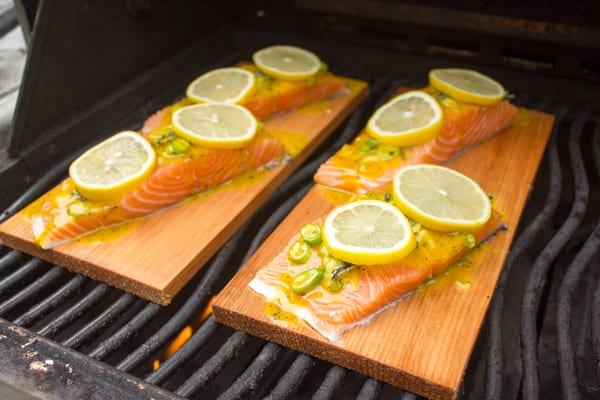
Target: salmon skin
x=63, y=214
x=367, y=290
x=366, y=165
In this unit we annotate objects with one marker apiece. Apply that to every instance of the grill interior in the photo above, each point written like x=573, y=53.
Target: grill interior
x=541, y=337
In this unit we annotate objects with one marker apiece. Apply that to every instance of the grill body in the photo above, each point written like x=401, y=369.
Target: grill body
x=100, y=67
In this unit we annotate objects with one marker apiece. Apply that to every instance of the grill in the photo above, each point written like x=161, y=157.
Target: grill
x=66, y=336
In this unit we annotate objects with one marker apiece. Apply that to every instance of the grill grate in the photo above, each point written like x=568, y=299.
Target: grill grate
x=554, y=262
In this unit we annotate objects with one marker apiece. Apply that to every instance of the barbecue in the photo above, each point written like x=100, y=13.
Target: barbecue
x=96, y=67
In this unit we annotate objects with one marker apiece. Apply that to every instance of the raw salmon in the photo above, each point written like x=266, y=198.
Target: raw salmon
x=272, y=96
x=365, y=165
x=367, y=290
x=275, y=96
x=65, y=215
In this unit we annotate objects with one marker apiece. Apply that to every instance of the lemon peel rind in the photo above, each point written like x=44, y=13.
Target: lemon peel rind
x=103, y=192
x=439, y=224
x=372, y=256
x=411, y=137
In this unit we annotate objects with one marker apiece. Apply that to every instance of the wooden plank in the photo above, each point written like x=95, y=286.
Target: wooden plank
x=155, y=257
x=424, y=342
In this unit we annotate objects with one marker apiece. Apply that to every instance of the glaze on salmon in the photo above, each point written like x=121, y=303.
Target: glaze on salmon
x=367, y=290
x=365, y=165
x=65, y=215
x=272, y=97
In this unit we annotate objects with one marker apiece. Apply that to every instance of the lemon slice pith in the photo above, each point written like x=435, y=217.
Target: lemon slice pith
x=368, y=232
x=222, y=85
x=287, y=62
x=215, y=125
x=113, y=166
x=467, y=85
x=408, y=119
x=440, y=198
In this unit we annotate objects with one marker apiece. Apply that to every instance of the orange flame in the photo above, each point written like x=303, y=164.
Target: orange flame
x=185, y=334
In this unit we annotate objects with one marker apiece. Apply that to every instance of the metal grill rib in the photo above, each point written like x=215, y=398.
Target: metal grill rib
x=370, y=389
x=31, y=267
x=331, y=383
x=292, y=379
x=51, y=302
x=67, y=317
x=495, y=363
x=198, y=340
x=569, y=284
x=93, y=327
x=214, y=365
x=537, y=279
x=39, y=187
x=32, y=289
x=9, y=260
x=250, y=378
x=125, y=332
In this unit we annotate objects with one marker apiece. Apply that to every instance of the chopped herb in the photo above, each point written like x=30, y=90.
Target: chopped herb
x=388, y=197
x=469, y=240
x=368, y=146
x=161, y=135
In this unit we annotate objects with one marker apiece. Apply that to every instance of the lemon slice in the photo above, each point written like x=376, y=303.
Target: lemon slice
x=440, y=198
x=215, y=125
x=368, y=232
x=408, y=119
x=223, y=85
x=287, y=62
x=113, y=166
x=467, y=85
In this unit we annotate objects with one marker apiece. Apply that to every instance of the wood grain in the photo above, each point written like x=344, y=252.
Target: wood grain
x=424, y=342
x=155, y=257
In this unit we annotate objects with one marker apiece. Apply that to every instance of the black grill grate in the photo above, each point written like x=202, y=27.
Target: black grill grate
x=541, y=336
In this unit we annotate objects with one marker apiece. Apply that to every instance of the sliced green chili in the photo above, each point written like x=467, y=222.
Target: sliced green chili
x=299, y=252
x=332, y=281
x=333, y=285
x=388, y=153
x=177, y=146
x=307, y=280
x=311, y=234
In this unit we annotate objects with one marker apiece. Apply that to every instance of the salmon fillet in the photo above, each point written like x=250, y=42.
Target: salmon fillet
x=271, y=98
x=64, y=215
x=367, y=290
x=274, y=96
x=368, y=166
